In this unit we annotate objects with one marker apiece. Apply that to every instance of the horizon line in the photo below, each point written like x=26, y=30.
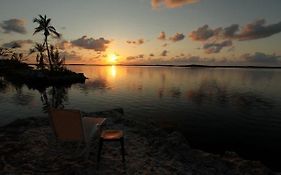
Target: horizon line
x=172, y=65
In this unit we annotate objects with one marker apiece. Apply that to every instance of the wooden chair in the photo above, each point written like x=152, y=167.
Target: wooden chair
x=111, y=136
x=69, y=125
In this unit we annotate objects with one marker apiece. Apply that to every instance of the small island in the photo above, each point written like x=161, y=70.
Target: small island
x=49, y=69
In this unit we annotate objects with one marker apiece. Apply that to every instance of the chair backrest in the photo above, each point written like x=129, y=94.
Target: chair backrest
x=67, y=124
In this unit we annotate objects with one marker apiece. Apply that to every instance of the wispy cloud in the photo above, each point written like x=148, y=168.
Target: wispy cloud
x=100, y=44
x=165, y=45
x=137, y=42
x=14, y=25
x=263, y=58
x=171, y=3
x=71, y=56
x=130, y=58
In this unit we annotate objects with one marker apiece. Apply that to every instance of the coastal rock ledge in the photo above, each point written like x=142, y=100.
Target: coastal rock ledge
x=28, y=147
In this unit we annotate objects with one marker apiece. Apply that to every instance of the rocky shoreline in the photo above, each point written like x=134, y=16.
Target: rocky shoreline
x=28, y=147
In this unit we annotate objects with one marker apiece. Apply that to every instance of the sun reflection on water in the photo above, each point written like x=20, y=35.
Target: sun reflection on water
x=113, y=71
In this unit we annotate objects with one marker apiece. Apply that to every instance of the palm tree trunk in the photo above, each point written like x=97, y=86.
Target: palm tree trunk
x=48, y=51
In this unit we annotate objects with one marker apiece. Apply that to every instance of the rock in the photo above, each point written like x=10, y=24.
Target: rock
x=28, y=146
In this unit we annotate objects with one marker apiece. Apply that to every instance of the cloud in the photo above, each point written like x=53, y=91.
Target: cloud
x=71, y=56
x=216, y=47
x=171, y=3
x=259, y=57
x=162, y=36
x=229, y=32
x=202, y=33
x=91, y=43
x=220, y=37
x=164, y=53
x=258, y=29
x=17, y=43
x=140, y=56
x=63, y=44
x=177, y=37
x=137, y=42
x=249, y=59
x=14, y=25
x=255, y=30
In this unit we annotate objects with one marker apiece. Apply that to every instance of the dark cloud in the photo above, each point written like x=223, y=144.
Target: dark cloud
x=262, y=58
x=164, y=53
x=14, y=25
x=162, y=36
x=137, y=42
x=177, y=37
x=171, y=3
x=91, y=43
x=17, y=43
x=258, y=29
x=202, y=33
x=216, y=47
x=255, y=30
x=229, y=32
x=218, y=38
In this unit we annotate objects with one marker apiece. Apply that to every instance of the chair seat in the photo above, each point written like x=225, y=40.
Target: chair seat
x=111, y=134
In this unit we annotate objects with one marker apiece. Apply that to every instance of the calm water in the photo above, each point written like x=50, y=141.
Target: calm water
x=216, y=109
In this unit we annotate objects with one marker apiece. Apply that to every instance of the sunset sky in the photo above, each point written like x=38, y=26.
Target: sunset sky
x=213, y=32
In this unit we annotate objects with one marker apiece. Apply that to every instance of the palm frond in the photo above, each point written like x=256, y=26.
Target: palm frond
x=38, y=29
x=42, y=18
x=36, y=20
x=48, y=21
x=53, y=30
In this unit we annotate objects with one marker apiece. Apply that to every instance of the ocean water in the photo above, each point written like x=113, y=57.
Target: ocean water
x=217, y=109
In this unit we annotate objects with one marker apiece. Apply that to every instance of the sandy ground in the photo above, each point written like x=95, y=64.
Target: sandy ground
x=28, y=146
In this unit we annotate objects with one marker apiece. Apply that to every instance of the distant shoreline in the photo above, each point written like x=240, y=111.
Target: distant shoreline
x=171, y=65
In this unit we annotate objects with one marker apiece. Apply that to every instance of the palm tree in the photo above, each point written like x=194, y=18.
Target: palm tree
x=56, y=58
x=40, y=48
x=45, y=26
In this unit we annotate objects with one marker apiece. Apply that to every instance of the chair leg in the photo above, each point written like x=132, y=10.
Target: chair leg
x=122, y=149
x=100, y=148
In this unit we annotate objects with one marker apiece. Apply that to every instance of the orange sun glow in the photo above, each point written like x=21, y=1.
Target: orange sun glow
x=112, y=58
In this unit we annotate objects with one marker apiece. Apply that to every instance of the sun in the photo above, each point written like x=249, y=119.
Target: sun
x=112, y=58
